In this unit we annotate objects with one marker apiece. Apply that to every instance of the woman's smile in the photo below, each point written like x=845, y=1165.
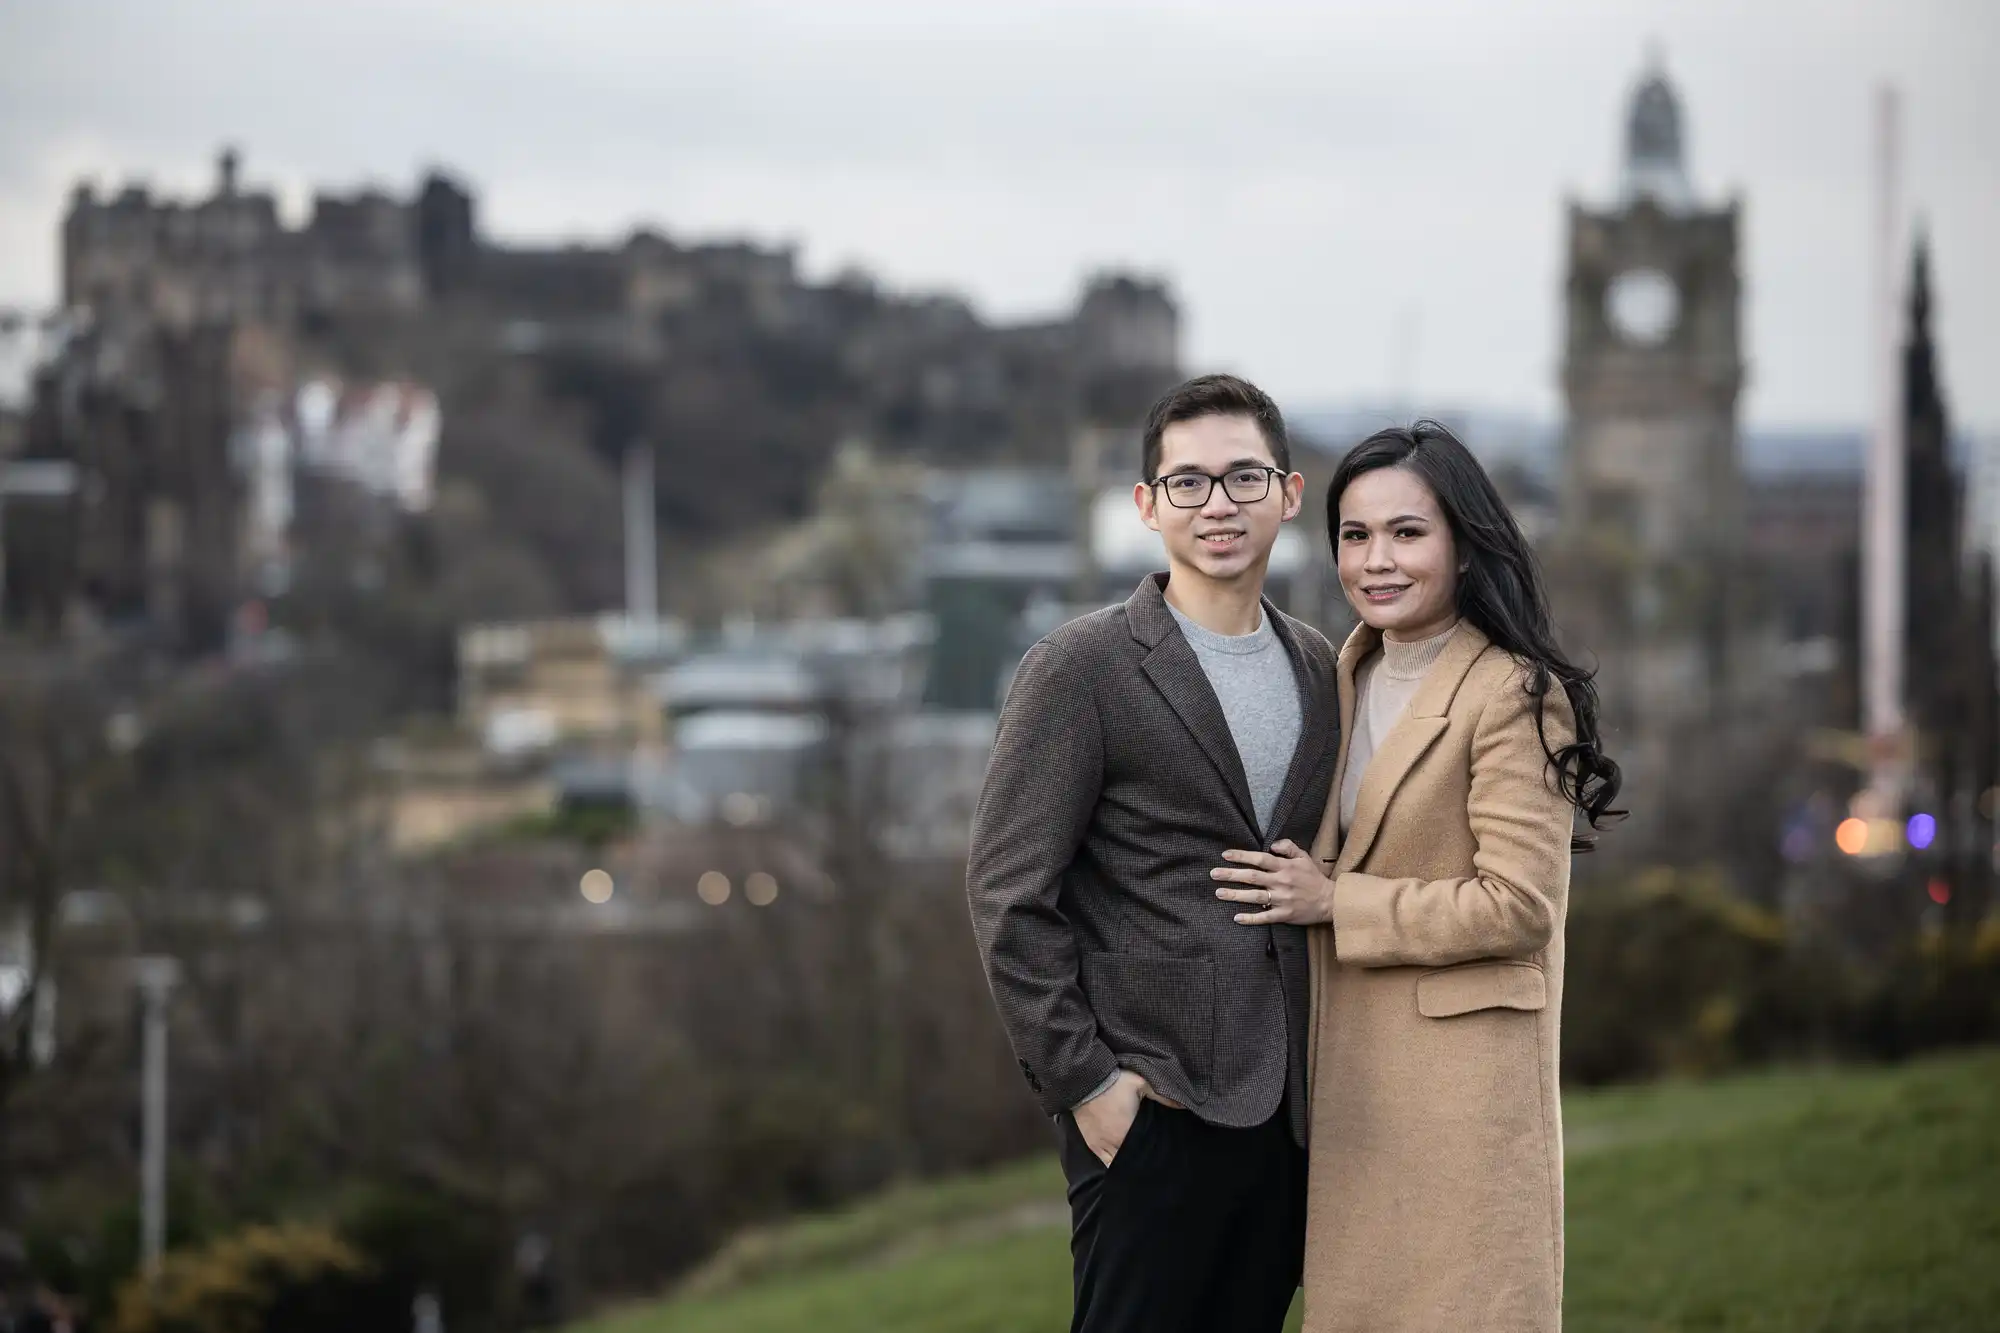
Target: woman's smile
x=1396, y=557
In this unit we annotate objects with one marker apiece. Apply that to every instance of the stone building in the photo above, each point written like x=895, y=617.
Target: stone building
x=934, y=376
x=688, y=348
x=230, y=257
x=152, y=535
x=1127, y=332
x=1652, y=494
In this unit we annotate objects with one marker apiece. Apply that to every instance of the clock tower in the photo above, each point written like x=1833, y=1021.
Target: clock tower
x=1652, y=507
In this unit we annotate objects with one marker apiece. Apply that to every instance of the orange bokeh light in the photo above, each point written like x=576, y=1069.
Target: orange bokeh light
x=1852, y=836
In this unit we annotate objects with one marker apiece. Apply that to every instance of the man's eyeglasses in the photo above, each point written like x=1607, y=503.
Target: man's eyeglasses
x=1243, y=485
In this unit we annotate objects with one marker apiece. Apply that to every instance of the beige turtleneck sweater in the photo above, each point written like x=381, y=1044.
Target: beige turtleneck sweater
x=1384, y=684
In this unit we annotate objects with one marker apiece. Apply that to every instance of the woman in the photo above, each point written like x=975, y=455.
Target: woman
x=1438, y=886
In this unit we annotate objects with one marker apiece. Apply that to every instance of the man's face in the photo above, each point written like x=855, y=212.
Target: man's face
x=1222, y=538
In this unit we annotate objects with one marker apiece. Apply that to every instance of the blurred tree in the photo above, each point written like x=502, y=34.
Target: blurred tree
x=855, y=555
x=63, y=737
x=541, y=487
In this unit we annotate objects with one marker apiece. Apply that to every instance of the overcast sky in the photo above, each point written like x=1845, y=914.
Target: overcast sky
x=1349, y=199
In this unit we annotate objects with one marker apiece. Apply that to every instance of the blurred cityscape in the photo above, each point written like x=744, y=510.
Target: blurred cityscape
x=537, y=698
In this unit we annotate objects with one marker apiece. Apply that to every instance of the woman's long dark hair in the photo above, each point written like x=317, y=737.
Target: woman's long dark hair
x=1501, y=592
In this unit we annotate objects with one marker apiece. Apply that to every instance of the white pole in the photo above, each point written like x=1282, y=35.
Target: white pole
x=1885, y=512
x=642, y=597
x=155, y=1166
x=156, y=977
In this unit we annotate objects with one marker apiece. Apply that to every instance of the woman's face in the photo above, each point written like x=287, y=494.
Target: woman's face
x=1398, y=563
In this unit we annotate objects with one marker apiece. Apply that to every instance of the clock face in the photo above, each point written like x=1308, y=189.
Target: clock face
x=1643, y=304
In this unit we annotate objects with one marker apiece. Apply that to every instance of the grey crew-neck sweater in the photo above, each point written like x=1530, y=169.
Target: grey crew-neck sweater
x=1384, y=684
x=1253, y=680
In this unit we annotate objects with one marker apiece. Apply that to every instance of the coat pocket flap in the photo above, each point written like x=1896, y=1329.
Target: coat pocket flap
x=1451, y=991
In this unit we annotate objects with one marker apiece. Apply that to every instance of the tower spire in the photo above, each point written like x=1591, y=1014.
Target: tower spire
x=1920, y=285
x=1655, y=168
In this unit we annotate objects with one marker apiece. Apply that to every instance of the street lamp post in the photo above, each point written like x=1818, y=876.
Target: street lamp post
x=155, y=977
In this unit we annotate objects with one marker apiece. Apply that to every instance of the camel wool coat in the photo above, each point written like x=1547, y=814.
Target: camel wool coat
x=1436, y=1187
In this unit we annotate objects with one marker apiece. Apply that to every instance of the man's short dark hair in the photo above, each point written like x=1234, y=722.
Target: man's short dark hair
x=1216, y=396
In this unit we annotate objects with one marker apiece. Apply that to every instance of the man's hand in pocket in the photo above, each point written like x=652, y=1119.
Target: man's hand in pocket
x=1107, y=1118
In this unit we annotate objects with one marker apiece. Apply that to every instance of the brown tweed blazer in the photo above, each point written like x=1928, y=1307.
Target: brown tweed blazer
x=1436, y=1189
x=1114, y=789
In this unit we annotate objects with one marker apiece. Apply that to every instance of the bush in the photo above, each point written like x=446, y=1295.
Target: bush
x=1671, y=974
x=1942, y=989
x=414, y=1242
x=289, y=1278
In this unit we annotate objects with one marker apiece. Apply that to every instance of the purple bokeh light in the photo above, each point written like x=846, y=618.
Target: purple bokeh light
x=1921, y=831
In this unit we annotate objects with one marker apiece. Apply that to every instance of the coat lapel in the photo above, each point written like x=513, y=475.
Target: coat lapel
x=1313, y=721
x=1407, y=742
x=1177, y=674
x=1184, y=685
x=1361, y=641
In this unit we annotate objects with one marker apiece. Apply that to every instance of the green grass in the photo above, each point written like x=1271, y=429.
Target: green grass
x=1025, y=1196
x=1836, y=1201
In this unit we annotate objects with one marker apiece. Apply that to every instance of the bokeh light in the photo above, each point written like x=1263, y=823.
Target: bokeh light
x=760, y=889
x=1921, y=831
x=596, y=886
x=713, y=888
x=1940, y=892
x=1852, y=836
x=741, y=808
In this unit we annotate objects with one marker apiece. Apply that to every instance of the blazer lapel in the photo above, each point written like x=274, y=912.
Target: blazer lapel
x=1407, y=742
x=1177, y=674
x=1313, y=720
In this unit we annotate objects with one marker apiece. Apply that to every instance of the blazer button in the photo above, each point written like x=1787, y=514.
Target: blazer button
x=1270, y=947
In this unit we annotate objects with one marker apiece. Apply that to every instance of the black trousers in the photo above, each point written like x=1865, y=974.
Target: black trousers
x=1192, y=1228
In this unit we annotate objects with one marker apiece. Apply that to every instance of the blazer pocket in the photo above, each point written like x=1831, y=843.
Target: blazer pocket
x=1155, y=1007
x=1447, y=992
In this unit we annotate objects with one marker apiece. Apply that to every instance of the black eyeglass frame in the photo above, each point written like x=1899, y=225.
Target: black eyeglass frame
x=1214, y=481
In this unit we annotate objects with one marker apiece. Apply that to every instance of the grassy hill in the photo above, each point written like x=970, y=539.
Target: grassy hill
x=1836, y=1200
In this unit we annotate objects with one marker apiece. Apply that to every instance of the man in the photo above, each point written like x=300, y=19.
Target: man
x=1137, y=743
